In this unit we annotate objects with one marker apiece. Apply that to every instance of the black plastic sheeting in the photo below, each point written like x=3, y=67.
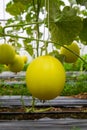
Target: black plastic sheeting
x=9, y=101
x=17, y=76
x=45, y=124
x=9, y=74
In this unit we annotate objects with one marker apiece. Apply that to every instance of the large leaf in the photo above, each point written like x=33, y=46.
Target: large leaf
x=72, y=2
x=53, y=8
x=82, y=2
x=66, y=28
x=23, y=1
x=83, y=33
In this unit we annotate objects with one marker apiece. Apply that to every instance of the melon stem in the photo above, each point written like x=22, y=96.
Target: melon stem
x=33, y=103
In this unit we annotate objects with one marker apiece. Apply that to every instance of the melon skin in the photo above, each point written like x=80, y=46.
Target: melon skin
x=7, y=54
x=17, y=65
x=69, y=56
x=45, y=77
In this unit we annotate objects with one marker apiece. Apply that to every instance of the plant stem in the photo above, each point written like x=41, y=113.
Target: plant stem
x=33, y=104
x=32, y=109
x=17, y=25
x=22, y=101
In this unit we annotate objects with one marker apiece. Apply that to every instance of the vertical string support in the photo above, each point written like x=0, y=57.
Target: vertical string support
x=45, y=42
x=48, y=20
x=3, y=12
x=3, y=22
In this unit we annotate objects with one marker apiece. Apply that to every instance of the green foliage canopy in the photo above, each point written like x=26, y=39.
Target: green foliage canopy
x=65, y=23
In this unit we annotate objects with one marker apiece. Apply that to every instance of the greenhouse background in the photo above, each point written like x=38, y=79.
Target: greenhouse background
x=49, y=93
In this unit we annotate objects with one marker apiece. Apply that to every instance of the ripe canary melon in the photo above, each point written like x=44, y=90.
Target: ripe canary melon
x=45, y=77
x=7, y=54
x=69, y=56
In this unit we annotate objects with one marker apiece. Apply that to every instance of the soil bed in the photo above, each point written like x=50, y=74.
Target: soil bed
x=54, y=113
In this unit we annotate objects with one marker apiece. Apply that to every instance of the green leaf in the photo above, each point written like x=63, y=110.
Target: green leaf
x=28, y=16
x=72, y=2
x=66, y=28
x=56, y=54
x=54, y=8
x=84, y=12
x=82, y=2
x=83, y=33
x=15, y=44
x=19, y=45
x=23, y=1
x=26, y=41
x=28, y=47
x=1, y=31
x=15, y=8
x=9, y=21
x=69, y=11
x=29, y=30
